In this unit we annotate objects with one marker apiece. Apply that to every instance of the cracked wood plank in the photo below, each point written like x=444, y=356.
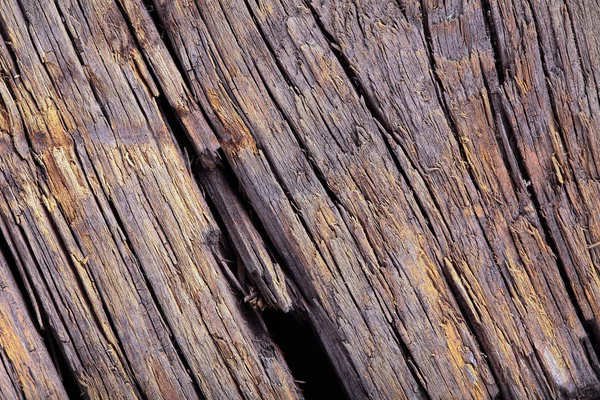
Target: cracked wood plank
x=443, y=120
x=532, y=362
x=120, y=245
x=424, y=172
x=552, y=107
x=277, y=123
x=26, y=369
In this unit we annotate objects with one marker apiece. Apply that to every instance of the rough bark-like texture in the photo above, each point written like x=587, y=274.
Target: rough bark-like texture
x=118, y=242
x=415, y=179
x=26, y=371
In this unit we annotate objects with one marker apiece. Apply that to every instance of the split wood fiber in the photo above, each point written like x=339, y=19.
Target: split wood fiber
x=417, y=181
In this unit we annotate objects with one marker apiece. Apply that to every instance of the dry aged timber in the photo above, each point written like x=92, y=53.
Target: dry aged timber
x=116, y=239
x=26, y=369
x=414, y=180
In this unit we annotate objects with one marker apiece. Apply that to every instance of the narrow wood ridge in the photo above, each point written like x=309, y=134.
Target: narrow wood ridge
x=291, y=198
x=26, y=369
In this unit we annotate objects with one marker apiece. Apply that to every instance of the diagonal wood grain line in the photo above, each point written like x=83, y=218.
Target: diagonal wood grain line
x=521, y=233
x=124, y=249
x=254, y=76
x=458, y=64
x=423, y=174
x=26, y=367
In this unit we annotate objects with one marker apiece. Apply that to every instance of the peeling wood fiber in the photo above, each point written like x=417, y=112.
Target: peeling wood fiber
x=417, y=181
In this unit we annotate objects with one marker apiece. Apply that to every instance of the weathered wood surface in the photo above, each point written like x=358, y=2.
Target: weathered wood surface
x=26, y=370
x=122, y=250
x=417, y=180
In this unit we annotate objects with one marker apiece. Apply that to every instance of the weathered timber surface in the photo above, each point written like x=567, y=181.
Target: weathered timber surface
x=417, y=180
x=26, y=371
x=122, y=248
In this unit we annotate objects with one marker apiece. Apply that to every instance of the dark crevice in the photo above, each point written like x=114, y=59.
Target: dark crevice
x=302, y=350
x=285, y=191
x=238, y=189
x=305, y=227
x=492, y=33
x=166, y=39
x=175, y=56
x=323, y=369
x=288, y=195
x=305, y=355
x=329, y=191
x=199, y=172
x=299, y=362
x=413, y=367
x=227, y=173
x=63, y=366
x=201, y=175
x=164, y=103
x=402, y=7
x=590, y=354
x=6, y=366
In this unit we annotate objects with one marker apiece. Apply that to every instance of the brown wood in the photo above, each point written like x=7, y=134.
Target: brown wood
x=26, y=369
x=414, y=180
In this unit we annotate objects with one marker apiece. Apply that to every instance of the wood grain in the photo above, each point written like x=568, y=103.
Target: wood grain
x=414, y=179
x=123, y=247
